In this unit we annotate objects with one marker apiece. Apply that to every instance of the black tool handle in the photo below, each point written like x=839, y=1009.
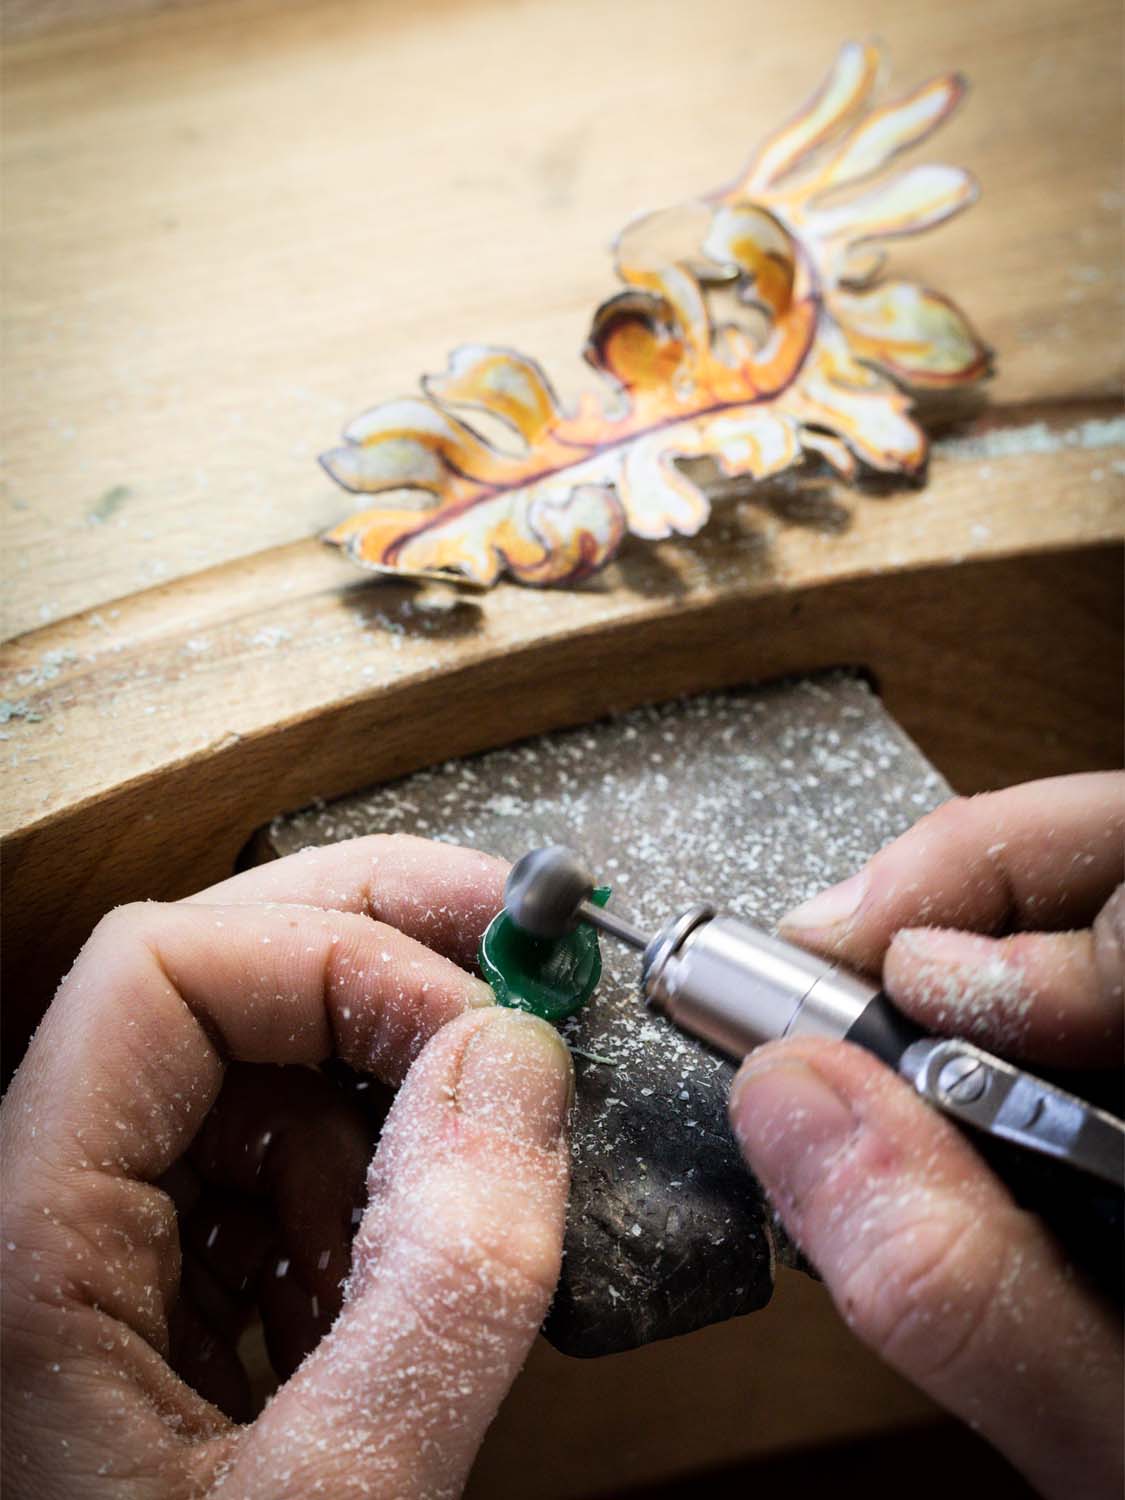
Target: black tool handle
x=883, y=1029
x=1087, y=1215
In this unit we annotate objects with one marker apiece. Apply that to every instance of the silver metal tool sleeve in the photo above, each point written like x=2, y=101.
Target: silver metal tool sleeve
x=736, y=987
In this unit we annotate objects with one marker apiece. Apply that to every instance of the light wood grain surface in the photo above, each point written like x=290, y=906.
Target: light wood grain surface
x=156, y=741
x=229, y=226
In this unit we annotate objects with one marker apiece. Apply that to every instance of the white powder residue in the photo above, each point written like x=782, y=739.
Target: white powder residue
x=987, y=998
x=753, y=800
x=1035, y=437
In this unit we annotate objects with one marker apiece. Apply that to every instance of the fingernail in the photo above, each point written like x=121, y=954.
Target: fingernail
x=517, y=1077
x=831, y=907
x=481, y=994
x=790, y=1123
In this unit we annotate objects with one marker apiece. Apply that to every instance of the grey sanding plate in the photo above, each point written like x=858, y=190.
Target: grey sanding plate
x=751, y=800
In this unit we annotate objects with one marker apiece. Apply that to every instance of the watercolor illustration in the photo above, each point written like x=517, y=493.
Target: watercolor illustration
x=755, y=330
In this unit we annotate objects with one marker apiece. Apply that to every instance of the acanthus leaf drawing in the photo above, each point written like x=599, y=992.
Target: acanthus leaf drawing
x=775, y=337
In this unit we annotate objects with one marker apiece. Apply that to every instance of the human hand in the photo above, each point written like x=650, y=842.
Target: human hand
x=924, y=1251
x=144, y=1080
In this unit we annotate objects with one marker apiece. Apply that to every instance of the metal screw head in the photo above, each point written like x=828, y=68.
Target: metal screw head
x=963, y=1079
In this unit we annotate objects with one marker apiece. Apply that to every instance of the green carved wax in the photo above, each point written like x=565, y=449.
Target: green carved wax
x=550, y=977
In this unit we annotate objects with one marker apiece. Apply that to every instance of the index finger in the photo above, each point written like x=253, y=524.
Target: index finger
x=130, y=1057
x=1041, y=856
x=439, y=894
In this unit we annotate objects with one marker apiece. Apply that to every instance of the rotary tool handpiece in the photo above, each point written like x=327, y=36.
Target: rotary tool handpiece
x=736, y=987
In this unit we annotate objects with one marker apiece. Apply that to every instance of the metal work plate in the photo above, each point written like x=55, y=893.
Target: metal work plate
x=752, y=800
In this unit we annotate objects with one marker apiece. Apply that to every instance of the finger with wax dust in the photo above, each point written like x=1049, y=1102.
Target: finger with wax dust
x=440, y=895
x=1047, y=856
x=454, y=1267
x=124, y=1069
x=931, y=1263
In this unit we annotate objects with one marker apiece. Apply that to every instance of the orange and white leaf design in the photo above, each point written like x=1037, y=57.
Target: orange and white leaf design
x=919, y=336
x=892, y=129
x=910, y=202
x=809, y=366
x=838, y=100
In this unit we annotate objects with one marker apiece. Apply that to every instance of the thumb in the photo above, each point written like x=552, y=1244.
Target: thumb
x=453, y=1269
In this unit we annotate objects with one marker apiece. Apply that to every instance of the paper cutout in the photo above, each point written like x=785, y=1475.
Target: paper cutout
x=808, y=360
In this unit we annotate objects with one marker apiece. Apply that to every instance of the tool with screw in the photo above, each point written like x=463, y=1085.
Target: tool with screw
x=735, y=987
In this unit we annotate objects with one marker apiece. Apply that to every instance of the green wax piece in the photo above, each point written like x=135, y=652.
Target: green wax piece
x=550, y=977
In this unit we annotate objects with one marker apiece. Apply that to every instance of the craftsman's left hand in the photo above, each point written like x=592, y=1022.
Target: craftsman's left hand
x=139, y=1094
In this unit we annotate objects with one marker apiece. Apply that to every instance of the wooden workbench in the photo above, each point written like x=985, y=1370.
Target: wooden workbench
x=228, y=227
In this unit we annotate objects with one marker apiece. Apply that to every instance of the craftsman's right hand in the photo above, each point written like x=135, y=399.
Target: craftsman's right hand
x=1000, y=918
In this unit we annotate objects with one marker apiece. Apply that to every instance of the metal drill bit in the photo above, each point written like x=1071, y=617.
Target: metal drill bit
x=618, y=927
x=548, y=893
